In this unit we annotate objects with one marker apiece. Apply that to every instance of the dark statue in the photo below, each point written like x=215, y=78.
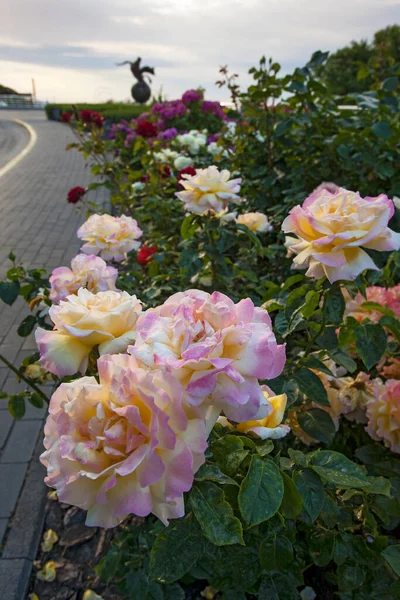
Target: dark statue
x=141, y=91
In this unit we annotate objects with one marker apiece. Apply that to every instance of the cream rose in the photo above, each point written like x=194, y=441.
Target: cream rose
x=81, y=322
x=209, y=189
x=255, y=221
x=332, y=228
x=110, y=237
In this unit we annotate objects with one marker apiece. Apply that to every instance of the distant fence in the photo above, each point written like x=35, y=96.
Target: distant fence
x=19, y=101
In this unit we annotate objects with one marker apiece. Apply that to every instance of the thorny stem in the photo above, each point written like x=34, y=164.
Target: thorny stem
x=21, y=376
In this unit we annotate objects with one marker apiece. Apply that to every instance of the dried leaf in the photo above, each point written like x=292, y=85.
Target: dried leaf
x=91, y=595
x=49, y=539
x=48, y=573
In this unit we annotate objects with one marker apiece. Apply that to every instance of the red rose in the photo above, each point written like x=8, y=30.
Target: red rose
x=75, y=194
x=91, y=116
x=66, y=117
x=186, y=171
x=165, y=171
x=145, y=254
x=145, y=178
x=146, y=129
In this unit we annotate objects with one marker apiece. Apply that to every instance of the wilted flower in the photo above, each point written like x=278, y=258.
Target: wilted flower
x=383, y=413
x=209, y=189
x=354, y=395
x=216, y=348
x=87, y=271
x=81, y=322
x=332, y=228
x=255, y=221
x=124, y=445
x=110, y=237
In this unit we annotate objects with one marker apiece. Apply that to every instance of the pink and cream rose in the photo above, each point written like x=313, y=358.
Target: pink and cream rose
x=355, y=308
x=217, y=349
x=87, y=271
x=331, y=230
x=81, y=322
x=110, y=237
x=255, y=221
x=126, y=445
x=383, y=413
x=271, y=426
x=209, y=189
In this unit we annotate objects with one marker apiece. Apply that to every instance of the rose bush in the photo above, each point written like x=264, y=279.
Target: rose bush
x=254, y=408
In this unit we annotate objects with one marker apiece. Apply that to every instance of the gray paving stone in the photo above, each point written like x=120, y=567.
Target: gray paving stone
x=22, y=441
x=3, y=529
x=27, y=523
x=14, y=578
x=6, y=423
x=11, y=477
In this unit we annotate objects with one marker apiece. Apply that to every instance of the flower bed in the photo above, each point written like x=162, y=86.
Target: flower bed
x=249, y=413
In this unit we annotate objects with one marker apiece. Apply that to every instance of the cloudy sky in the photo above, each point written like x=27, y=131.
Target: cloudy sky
x=71, y=48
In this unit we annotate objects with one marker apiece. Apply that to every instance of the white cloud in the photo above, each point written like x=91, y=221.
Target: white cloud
x=185, y=40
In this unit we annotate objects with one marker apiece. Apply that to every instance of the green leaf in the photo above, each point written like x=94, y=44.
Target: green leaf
x=312, y=362
x=390, y=84
x=27, y=326
x=9, y=291
x=392, y=557
x=310, y=304
x=261, y=491
x=215, y=515
x=175, y=550
x=256, y=241
x=321, y=545
x=335, y=468
x=343, y=359
x=16, y=406
x=137, y=584
x=382, y=130
x=209, y=472
x=311, y=385
x=392, y=324
x=312, y=491
x=36, y=400
x=318, y=424
x=229, y=452
x=188, y=227
x=379, y=485
x=171, y=592
x=275, y=553
x=350, y=577
x=108, y=565
x=371, y=342
x=334, y=306
x=292, y=501
x=234, y=568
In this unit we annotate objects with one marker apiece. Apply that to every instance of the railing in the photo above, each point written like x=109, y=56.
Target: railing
x=18, y=101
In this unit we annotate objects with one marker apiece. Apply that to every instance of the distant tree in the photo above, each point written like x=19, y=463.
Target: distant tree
x=341, y=70
x=6, y=90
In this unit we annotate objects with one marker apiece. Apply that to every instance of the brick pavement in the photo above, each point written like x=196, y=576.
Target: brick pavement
x=39, y=226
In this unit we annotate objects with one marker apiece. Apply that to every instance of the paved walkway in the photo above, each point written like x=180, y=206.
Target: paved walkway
x=39, y=226
x=13, y=139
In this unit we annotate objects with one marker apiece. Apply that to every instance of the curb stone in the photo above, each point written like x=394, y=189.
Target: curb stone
x=24, y=532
